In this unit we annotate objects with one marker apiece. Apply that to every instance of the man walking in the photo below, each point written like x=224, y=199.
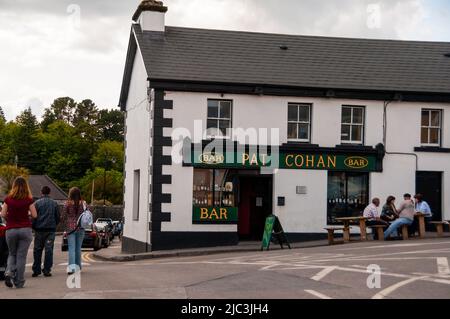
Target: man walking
x=45, y=227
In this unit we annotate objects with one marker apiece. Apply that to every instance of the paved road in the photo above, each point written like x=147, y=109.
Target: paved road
x=412, y=269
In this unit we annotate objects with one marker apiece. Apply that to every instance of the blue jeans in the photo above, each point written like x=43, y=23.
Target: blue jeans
x=75, y=241
x=396, y=225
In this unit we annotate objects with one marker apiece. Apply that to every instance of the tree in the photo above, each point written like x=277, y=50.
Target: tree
x=110, y=124
x=62, y=109
x=63, y=150
x=109, y=155
x=8, y=173
x=26, y=139
x=2, y=115
x=114, y=185
x=8, y=142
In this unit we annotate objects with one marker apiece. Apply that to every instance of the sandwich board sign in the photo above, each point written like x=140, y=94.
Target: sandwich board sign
x=273, y=228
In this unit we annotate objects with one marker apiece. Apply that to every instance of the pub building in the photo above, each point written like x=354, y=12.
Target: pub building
x=337, y=120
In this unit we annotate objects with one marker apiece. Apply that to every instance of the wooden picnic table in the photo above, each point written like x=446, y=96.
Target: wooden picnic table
x=358, y=219
x=421, y=218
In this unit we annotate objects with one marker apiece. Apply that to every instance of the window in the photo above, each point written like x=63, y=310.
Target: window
x=352, y=131
x=299, y=122
x=219, y=121
x=136, y=194
x=348, y=194
x=431, y=127
x=214, y=188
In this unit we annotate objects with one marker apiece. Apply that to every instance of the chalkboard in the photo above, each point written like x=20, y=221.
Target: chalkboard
x=271, y=228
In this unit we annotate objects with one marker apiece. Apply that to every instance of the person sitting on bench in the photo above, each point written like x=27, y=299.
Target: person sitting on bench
x=389, y=212
x=406, y=213
x=374, y=218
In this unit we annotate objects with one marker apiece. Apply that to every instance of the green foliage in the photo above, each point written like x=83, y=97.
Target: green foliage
x=68, y=144
x=111, y=125
x=2, y=116
x=110, y=155
x=110, y=188
x=8, y=173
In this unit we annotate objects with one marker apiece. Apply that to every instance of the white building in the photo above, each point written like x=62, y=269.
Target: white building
x=353, y=119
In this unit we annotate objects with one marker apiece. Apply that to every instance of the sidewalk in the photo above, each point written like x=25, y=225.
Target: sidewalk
x=114, y=253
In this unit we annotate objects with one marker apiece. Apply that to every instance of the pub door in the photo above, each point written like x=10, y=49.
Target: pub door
x=255, y=205
x=429, y=184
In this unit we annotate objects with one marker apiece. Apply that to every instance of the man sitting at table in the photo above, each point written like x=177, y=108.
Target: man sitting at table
x=374, y=217
x=406, y=213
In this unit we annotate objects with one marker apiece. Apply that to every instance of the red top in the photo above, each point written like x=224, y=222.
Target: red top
x=18, y=213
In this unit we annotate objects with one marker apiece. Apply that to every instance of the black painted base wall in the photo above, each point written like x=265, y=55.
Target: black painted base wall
x=186, y=240
x=132, y=246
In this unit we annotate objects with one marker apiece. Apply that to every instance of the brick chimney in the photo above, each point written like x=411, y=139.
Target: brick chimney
x=151, y=15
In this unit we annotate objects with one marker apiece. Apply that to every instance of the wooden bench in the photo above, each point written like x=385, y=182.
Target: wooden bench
x=405, y=232
x=380, y=231
x=439, y=227
x=331, y=231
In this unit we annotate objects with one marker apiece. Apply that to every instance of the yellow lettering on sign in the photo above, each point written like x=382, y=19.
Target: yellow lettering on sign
x=254, y=160
x=299, y=160
x=309, y=161
x=204, y=213
x=289, y=163
x=321, y=162
x=214, y=214
x=263, y=159
x=331, y=161
x=245, y=158
x=223, y=214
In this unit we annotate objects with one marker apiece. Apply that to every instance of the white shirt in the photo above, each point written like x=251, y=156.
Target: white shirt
x=371, y=212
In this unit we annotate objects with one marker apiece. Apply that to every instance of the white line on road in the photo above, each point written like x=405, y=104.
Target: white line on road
x=323, y=273
x=385, y=292
x=443, y=267
x=317, y=294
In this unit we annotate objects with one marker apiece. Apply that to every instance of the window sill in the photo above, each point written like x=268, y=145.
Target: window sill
x=431, y=149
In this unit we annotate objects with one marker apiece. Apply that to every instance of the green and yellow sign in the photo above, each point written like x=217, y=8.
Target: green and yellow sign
x=287, y=160
x=214, y=215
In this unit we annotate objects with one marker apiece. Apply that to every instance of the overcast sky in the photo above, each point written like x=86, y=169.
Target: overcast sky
x=77, y=48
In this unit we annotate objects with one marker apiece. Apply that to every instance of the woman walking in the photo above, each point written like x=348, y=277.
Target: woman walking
x=72, y=211
x=17, y=210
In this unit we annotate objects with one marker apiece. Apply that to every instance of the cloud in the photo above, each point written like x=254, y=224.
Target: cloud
x=78, y=47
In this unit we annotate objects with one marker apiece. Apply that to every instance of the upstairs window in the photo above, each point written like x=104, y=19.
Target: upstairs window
x=352, y=129
x=431, y=128
x=219, y=121
x=299, y=122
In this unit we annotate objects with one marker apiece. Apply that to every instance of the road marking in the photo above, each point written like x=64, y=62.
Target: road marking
x=67, y=264
x=323, y=273
x=393, y=246
x=443, y=267
x=317, y=294
x=386, y=292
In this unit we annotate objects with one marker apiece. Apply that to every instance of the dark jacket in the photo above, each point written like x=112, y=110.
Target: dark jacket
x=48, y=215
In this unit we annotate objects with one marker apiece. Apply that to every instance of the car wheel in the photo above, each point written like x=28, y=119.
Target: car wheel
x=106, y=243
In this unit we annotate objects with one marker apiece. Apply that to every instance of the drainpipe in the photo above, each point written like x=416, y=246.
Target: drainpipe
x=398, y=97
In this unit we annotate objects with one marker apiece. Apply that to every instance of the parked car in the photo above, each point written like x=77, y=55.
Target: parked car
x=108, y=225
x=93, y=238
x=3, y=250
x=105, y=232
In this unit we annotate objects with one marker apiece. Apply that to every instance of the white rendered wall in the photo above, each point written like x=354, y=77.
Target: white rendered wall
x=307, y=213
x=302, y=213
x=137, y=152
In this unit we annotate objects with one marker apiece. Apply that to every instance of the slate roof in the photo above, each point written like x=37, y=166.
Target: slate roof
x=36, y=183
x=216, y=56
